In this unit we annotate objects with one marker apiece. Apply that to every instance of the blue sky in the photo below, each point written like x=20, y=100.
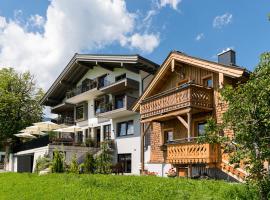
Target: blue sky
x=198, y=28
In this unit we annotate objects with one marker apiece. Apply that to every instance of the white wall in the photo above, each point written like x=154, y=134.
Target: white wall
x=129, y=144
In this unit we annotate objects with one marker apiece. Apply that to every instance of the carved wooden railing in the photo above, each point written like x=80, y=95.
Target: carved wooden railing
x=187, y=95
x=192, y=153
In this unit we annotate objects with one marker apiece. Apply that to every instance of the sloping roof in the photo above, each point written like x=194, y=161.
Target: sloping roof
x=81, y=63
x=231, y=71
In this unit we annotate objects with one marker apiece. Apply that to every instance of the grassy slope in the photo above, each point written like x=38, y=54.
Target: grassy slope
x=68, y=186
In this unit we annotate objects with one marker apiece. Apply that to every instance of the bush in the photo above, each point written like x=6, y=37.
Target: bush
x=74, y=166
x=104, y=159
x=89, y=163
x=58, y=162
x=42, y=163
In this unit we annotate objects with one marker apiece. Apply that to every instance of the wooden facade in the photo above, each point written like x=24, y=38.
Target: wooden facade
x=182, y=96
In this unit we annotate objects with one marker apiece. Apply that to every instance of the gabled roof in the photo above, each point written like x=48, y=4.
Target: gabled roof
x=231, y=71
x=79, y=65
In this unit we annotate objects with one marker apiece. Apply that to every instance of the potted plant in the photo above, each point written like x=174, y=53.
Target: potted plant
x=171, y=173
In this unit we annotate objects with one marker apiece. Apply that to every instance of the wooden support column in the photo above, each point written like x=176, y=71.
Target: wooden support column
x=189, y=171
x=143, y=132
x=220, y=79
x=189, y=121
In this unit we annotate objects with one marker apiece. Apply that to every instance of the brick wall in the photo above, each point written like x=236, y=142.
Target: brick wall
x=157, y=155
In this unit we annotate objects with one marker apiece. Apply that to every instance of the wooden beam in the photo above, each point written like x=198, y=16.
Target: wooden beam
x=182, y=121
x=172, y=114
x=143, y=132
x=84, y=65
x=173, y=65
x=189, y=125
x=104, y=66
x=131, y=68
x=220, y=79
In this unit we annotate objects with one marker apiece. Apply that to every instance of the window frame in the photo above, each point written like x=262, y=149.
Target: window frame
x=83, y=114
x=125, y=161
x=126, y=123
x=107, y=132
x=205, y=80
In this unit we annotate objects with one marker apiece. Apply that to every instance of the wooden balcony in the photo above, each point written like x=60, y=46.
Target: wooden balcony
x=187, y=95
x=192, y=153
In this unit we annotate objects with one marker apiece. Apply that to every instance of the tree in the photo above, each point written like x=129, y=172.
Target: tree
x=74, y=166
x=248, y=115
x=58, y=162
x=89, y=163
x=19, y=104
x=104, y=159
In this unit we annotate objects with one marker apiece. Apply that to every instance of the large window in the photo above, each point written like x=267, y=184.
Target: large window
x=201, y=128
x=107, y=132
x=119, y=101
x=125, y=128
x=125, y=161
x=80, y=112
x=102, y=81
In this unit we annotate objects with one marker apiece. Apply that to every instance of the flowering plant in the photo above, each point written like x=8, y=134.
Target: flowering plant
x=171, y=173
x=147, y=173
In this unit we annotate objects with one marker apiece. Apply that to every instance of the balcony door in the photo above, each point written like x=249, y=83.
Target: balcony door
x=119, y=101
x=168, y=136
x=98, y=137
x=125, y=161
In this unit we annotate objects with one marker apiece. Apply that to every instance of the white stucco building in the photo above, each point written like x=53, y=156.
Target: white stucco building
x=96, y=93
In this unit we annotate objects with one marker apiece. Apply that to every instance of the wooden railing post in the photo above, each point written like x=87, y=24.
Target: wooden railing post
x=189, y=124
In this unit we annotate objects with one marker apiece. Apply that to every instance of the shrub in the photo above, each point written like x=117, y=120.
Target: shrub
x=74, y=166
x=89, y=163
x=104, y=159
x=58, y=162
x=42, y=163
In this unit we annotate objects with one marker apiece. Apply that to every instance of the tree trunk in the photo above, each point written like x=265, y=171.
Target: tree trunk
x=6, y=160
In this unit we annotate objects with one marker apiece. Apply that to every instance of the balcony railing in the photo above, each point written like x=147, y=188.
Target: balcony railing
x=186, y=95
x=65, y=120
x=128, y=101
x=86, y=86
x=192, y=153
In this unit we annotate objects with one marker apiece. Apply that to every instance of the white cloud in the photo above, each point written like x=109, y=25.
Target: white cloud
x=70, y=26
x=145, y=42
x=37, y=20
x=222, y=20
x=172, y=3
x=199, y=37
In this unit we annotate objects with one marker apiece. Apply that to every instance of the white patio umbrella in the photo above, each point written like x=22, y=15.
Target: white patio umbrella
x=33, y=130
x=25, y=135
x=71, y=129
x=47, y=126
x=58, y=130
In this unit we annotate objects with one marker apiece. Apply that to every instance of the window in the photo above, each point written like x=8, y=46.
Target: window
x=79, y=112
x=168, y=136
x=99, y=105
x=102, y=82
x=201, y=128
x=120, y=77
x=125, y=128
x=125, y=161
x=208, y=81
x=107, y=132
x=119, y=101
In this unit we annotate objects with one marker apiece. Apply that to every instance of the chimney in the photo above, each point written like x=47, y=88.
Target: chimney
x=227, y=57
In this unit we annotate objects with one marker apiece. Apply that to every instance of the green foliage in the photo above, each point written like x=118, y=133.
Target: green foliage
x=248, y=115
x=89, y=163
x=58, y=162
x=213, y=133
x=42, y=163
x=90, y=142
x=73, y=186
x=19, y=105
x=19, y=102
x=104, y=159
x=74, y=166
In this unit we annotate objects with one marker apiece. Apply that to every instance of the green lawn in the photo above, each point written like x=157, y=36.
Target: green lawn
x=68, y=186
